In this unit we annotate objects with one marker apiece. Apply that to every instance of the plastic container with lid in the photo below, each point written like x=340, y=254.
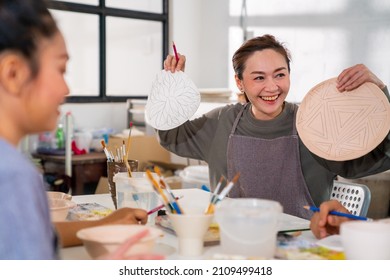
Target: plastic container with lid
x=248, y=226
x=195, y=176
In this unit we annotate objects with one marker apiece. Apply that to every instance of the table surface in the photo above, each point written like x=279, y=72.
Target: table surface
x=167, y=244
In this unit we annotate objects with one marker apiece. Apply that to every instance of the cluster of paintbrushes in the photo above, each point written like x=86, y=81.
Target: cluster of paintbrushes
x=118, y=155
x=216, y=198
x=164, y=191
x=170, y=201
x=121, y=153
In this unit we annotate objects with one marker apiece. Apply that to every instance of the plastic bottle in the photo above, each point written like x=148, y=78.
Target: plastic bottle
x=60, y=137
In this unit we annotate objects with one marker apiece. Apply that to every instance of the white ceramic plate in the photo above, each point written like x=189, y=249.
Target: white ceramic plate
x=173, y=100
x=343, y=125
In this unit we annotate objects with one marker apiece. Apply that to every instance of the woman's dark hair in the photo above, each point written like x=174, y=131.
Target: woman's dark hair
x=22, y=24
x=257, y=44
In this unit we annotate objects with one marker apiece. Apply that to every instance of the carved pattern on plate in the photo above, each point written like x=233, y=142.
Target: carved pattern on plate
x=343, y=125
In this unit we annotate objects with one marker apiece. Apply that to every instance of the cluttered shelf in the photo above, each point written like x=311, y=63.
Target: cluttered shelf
x=87, y=169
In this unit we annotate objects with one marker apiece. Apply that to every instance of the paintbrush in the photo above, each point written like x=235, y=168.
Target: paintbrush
x=175, y=51
x=227, y=189
x=106, y=151
x=172, y=199
x=157, y=188
x=123, y=148
x=161, y=206
x=210, y=209
x=127, y=151
x=214, y=195
x=336, y=213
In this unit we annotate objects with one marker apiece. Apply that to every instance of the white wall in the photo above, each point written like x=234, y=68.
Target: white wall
x=97, y=115
x=200, y=31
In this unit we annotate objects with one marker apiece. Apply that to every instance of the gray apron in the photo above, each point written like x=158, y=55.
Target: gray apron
x=269, y=169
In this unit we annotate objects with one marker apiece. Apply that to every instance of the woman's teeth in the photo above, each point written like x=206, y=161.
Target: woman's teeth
x=269, y=98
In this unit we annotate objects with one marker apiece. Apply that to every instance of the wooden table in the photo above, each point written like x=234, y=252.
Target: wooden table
x=87, y=168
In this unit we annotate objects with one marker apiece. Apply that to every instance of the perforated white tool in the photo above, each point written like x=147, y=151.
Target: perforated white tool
x=355, y=197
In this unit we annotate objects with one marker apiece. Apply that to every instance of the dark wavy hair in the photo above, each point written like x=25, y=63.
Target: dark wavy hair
x=257, y=44
x=22, y=24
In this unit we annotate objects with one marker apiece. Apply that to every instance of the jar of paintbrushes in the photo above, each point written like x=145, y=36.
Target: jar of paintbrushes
x=117, y=161
x=114, y=167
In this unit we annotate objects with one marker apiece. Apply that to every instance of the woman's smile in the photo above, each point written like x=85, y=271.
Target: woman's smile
x=270, y=98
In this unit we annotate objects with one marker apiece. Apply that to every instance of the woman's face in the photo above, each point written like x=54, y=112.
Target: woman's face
x=266, y=82
x=46, y=91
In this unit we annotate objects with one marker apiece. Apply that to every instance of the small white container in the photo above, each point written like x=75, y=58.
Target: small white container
x=364, y=240
x=248, y=226
x=195, y=176
x=191, y=229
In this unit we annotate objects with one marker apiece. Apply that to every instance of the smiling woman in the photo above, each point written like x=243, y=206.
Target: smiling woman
x=32, y=62
x=259, y=139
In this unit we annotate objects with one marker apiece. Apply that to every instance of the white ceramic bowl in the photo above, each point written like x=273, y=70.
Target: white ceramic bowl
x=105, y=239
x=59, y=209
x=58, y=195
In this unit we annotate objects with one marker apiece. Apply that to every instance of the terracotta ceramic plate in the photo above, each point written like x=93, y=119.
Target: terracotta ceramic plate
x=173, y=100
x=343, y=125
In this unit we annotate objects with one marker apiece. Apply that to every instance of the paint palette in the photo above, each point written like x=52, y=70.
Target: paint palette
x=343, y=125
x=332, y=242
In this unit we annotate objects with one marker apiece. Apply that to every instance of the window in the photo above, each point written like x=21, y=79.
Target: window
x=133, y=55
x=324, y=37
x=116, y=47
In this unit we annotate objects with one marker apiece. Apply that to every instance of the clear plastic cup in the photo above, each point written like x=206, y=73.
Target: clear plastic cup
x=136, y=192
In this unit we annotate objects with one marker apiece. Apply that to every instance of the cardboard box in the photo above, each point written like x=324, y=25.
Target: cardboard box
x=102, y=186
x=143, y=148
